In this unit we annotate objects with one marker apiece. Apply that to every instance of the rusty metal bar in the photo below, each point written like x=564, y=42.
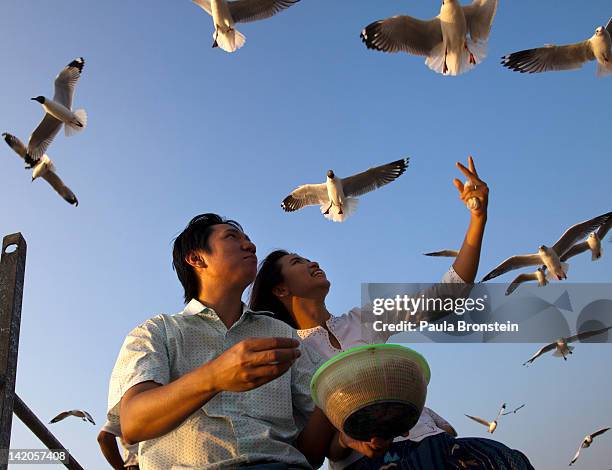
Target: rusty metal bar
x=12, y=271
x=40, y=430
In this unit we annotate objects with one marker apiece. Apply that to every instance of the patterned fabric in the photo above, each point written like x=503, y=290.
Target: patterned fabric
x=232, y=428
x=443, y=452
x=130, y=454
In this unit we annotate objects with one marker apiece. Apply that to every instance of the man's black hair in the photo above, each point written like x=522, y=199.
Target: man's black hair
x=194, y=237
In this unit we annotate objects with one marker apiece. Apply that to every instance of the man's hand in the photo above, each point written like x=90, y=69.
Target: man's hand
x=474, y=188
x=253, y=362
x=375, y=447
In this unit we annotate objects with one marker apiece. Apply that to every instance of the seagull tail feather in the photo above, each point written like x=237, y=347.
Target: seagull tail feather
x=435, y=61
x=603, y=70
x=71, y=129
x=231, y=40
x=600, y=254
x=349, y=207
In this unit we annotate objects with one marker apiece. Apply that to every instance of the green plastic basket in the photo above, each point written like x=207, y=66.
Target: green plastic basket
x=375, y=390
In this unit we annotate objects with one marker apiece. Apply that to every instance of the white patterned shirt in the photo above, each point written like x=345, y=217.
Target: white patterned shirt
x=232, y=428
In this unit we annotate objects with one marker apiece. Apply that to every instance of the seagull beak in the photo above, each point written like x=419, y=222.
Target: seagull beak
x=33, y=99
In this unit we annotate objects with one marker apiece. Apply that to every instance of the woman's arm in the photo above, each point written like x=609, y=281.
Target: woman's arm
x=466, y=263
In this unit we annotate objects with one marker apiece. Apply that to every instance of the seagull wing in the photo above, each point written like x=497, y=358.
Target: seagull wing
x=66, y=81
x=479, y=420
x=305, y=195
x=479, y=18
x=88, y=416
x=575, y=250
x=597, y=433
x=373, y=178
x=587, y=334
x=513, y=411
x=403, y=33
x=605, y=228
x=204, y=4
x=514, y=262
x=447, y=253
x=550, y=57
x=518, y=280
x=244, y=11
x=59, y=417
x=544, y=350
x=501, y=411
x=17, y=145
x=609, y=26
x=579, y=231
x=42, y=136
x=56, y=183
x=577, y=454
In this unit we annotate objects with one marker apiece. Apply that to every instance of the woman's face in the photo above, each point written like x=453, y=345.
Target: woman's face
x=302, y=277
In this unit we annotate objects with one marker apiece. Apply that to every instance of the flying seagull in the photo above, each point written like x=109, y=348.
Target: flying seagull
x=550, y=257
x=513, y=411
x=561, y=347
x=445, y=253
x=567, y=57
x=538, y=275
x=225, y=14
x=43, y=167
x=58, y=111
x=337, y=196
x=586, y=442
x=84, y=415
x=593, y=243
x=493, y=424
x=443, y=39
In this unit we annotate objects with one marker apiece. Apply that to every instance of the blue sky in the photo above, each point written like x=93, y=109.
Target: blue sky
x=177, y=128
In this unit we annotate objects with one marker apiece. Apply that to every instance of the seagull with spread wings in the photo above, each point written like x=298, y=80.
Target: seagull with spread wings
x=593, y=243
x=443, y=39
x=43, y=167
x=84, y=415
x=561, y=346
x=586, y=442
x=566, y=57
x=550, y=257
x=492, y=426
x=58, y=111
x=337, y=196
x=226, y=13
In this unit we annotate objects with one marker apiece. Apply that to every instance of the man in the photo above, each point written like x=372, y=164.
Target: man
x=107, y=439
x=216, y=386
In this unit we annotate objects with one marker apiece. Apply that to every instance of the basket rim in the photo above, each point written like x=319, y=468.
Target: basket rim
x=414, y=355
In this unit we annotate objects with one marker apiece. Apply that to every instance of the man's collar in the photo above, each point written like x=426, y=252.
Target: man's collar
x=195, y=307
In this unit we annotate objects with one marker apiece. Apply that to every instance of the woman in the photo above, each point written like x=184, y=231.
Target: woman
x=294, y=289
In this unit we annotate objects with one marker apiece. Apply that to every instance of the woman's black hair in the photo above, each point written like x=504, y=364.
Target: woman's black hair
x=194, y=237
x=268, y=277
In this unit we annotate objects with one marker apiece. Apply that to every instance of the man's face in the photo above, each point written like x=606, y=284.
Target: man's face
x=231, y=257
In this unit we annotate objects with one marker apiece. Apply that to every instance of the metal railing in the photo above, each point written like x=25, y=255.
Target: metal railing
x=12, y=272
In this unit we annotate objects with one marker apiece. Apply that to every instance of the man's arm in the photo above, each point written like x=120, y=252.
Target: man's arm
x=149, y=410
x=110, y=450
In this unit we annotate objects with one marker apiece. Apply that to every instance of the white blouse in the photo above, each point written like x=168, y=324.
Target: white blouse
x=350, y=331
